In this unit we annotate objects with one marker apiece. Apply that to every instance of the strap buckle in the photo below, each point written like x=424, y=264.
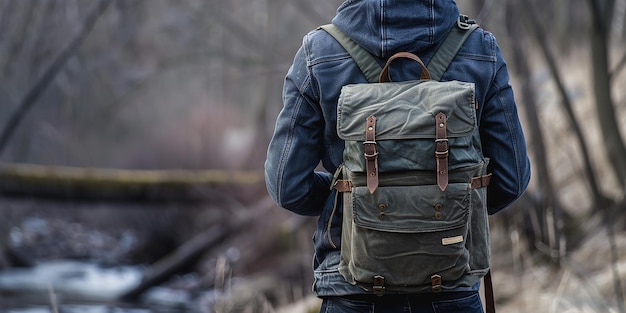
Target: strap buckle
x=435, y=282
x=464, y=22
x=442, y=149
x=379, y=285
x=480, y=181
x=372, y=152
x=342, y=185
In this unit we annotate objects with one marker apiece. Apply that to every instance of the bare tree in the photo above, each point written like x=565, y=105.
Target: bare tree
x=39, y=87
x=602, y=17
x=549, y=213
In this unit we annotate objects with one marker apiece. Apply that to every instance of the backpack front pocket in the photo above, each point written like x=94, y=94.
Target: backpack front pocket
x=406, y=234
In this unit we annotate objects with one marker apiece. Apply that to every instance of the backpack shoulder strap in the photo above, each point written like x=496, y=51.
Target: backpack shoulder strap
x=436, y=67
x=366, y=62
x=442, y=58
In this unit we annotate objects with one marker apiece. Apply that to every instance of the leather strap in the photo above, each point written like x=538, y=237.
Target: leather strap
x=343, y=185
x=371, y=154
x=480, y=181
x=441, y=151
x=384, y=74
x=435, y=282
x=379, y=285
x=490, y=303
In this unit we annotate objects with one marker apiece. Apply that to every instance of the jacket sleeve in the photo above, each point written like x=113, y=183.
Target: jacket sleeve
x=503, y=141
x=296, y=146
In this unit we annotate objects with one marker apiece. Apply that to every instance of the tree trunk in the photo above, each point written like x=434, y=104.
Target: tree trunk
x=550, y=207
x=50, y=73
x=613, y=141
x=185, y=255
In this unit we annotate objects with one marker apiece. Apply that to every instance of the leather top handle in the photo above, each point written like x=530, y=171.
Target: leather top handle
x=384, y=74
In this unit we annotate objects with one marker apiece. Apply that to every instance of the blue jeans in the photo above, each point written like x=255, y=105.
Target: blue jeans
x=465, y=303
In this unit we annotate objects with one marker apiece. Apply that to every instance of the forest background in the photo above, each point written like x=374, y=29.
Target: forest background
x=145, y=124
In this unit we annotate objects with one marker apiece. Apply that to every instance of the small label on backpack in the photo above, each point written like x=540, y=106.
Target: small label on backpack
x=451, y=240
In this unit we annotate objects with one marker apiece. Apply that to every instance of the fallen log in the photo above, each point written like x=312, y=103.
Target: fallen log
x=77, y=182
x=184, y=256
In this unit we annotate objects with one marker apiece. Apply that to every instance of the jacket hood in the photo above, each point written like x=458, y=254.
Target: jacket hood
x=384, y=27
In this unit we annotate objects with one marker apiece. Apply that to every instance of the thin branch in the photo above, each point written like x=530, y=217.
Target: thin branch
x=620, y=66
x=617, y=283
x=236, y=29
x=49, y=74
x=485, y=10
x=312, y=14
x=16, y=34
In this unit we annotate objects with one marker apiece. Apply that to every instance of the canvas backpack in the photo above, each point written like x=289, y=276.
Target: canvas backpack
x=412, y=177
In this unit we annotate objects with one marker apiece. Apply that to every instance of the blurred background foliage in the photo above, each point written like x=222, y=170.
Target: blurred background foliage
x=196, y=85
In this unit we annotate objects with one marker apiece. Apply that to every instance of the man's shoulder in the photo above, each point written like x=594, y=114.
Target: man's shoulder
x=320, y=46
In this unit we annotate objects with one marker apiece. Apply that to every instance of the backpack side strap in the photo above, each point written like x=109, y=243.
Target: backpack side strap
x=490, y=303
x=366, y=62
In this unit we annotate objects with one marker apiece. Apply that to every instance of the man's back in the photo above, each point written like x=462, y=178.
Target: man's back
x=306, y=127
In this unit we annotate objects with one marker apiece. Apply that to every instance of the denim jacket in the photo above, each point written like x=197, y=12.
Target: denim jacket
x=305, y=138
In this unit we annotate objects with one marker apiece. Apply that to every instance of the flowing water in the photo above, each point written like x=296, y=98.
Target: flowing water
x=84, y=287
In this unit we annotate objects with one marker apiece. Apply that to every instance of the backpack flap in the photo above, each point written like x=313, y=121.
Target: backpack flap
x=405, y=123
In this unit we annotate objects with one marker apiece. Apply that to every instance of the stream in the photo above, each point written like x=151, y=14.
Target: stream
x=81, y=257
x=85, y=287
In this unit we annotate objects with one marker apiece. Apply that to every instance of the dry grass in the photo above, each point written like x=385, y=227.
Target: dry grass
x=583, y=283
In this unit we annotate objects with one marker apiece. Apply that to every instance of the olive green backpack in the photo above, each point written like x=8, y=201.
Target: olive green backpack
x=413, y=176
